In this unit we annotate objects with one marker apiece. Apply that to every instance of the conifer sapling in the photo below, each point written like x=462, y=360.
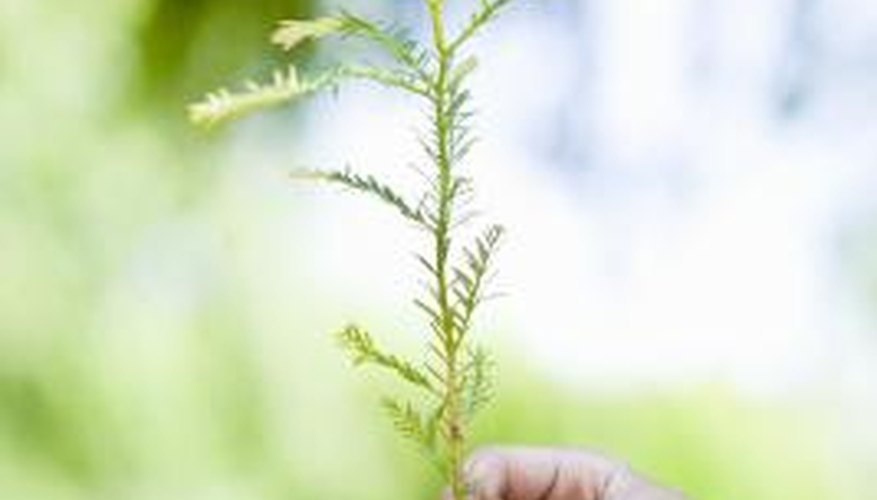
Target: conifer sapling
x=454, y=378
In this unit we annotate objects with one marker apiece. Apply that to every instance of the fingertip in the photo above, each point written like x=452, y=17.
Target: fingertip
x=622, y=483
x=616, y=479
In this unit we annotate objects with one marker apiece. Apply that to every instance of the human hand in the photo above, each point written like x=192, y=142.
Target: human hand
x=519, y=473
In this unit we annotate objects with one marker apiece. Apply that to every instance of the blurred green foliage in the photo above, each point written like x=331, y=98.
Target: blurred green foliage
x=150, y=346
x=184, y=47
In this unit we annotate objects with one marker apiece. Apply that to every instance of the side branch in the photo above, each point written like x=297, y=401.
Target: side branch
x=388, y=78
x=389, y=38
x=367, y=184
x=469, y=280
x=223, y=105
x=393, y=41
x=362, y=349
x=488, y=11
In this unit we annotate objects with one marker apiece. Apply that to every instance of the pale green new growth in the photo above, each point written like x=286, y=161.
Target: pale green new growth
x=293, y=32
x=224, y=105
x=454, y=378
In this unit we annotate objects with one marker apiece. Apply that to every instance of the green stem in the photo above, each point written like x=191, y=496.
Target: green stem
x=453, y=425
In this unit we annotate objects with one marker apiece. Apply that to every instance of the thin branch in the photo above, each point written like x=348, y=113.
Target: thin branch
x=367, y=184
x=489, y=10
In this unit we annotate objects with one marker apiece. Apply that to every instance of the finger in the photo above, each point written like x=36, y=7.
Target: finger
x=502, y=473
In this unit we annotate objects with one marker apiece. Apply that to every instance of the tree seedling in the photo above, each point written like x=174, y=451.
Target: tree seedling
x=454, y=378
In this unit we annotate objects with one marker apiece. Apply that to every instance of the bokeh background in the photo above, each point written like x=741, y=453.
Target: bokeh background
x=690, y=279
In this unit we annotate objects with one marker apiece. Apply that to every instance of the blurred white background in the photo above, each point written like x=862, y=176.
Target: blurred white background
x=689, y=187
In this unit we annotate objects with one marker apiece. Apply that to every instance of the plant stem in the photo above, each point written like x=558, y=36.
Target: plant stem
x=453, y=425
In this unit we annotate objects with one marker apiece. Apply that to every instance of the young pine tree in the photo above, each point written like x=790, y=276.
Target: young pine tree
x=454, y=377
